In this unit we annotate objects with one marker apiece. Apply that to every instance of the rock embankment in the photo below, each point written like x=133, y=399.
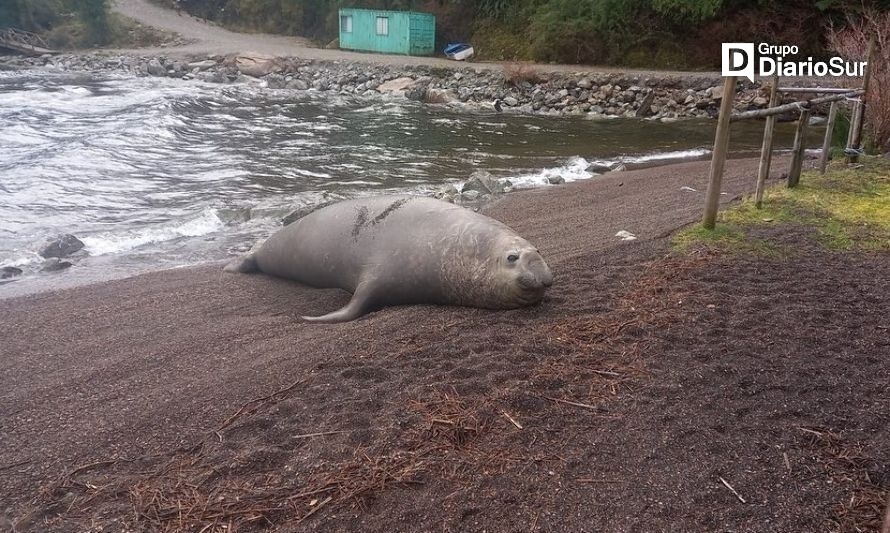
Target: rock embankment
x=521, y=90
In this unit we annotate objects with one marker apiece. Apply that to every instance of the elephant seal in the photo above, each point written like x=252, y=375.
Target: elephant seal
x=392, y=250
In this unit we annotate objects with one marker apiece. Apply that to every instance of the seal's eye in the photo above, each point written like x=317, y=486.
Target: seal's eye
x=512, y=258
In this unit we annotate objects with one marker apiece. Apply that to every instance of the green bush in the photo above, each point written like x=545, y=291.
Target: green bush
x=32, y=15
x=493, y=41
x=94, y=14
x=582, y=31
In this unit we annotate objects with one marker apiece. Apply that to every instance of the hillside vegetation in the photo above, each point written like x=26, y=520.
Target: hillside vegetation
x=636, y=33
x=67, y=24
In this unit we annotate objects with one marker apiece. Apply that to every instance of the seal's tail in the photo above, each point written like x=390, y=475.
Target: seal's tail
x=243, y=265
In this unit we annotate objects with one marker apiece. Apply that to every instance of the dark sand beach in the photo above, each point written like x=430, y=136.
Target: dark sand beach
x=641, y=390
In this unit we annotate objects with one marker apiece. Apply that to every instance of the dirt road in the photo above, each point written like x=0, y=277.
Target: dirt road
x=209, y=38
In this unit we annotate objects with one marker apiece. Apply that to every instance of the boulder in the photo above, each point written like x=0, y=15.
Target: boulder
x=61, y=246
x=416, y=92
x=297, y=84
x=54, y=264
x=202, y=65
x=470, y=196
x=9, y=272
x=256, y=65
x=396, y=85
x=275, y=81
x=483, y=182
x=555, y=180
x=213, y=76
x=602, y=167
x=155, y=68
x=646, y=105
x=439, y=96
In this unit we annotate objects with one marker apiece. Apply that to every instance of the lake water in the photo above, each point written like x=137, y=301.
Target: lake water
x=156, y=173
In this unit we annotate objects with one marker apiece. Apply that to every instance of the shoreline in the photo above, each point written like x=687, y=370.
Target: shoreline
x=514, y=89
x=38, y=283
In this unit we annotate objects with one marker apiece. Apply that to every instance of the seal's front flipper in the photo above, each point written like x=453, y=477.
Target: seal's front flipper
x=243, y=264
x=357, y=306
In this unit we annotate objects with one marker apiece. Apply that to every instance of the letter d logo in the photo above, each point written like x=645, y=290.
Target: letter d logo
x=738, y=60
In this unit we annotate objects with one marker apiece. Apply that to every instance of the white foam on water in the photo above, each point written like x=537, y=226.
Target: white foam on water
x=678, y=154
x=446, y=121
x=353, y=182
x=577, y=168
x=25, y=258
x=310, y=174
x=572, y=170
x=116, y=242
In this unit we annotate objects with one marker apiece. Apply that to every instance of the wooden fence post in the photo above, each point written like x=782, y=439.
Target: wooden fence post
x=854, y=116
x=826, y=143
x=718, y=159
x=798, y=149
x=855, y=138
x=766, y=151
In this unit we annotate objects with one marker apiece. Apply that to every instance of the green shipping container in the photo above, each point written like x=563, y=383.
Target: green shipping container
x=390, y=32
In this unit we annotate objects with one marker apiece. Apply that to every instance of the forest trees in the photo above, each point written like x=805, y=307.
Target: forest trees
x=851, y=41
x=91, y=17
x=94, y=14
x=665, y=33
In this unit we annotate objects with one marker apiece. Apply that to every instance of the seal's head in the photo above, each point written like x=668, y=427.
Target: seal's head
x=523, y=275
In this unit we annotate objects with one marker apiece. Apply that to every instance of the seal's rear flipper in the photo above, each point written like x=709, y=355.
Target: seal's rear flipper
x=357, y=306
x=243, y=265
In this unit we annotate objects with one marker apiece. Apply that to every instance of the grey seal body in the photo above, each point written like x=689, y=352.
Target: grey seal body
x=393, y=250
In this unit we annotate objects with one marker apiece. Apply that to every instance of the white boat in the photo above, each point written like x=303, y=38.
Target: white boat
x=459, y=51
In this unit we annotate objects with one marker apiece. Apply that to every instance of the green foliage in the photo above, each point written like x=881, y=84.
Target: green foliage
x=693, y=11
x=581, y=31
x=846, y=209
x=73, y=33
x=54, y=18
x=94, y=14
x=497, y=42
x=32, y=15
x=494, y=9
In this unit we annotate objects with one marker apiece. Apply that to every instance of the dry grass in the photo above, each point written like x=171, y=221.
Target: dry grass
x=846, y=464
x=589, y=360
